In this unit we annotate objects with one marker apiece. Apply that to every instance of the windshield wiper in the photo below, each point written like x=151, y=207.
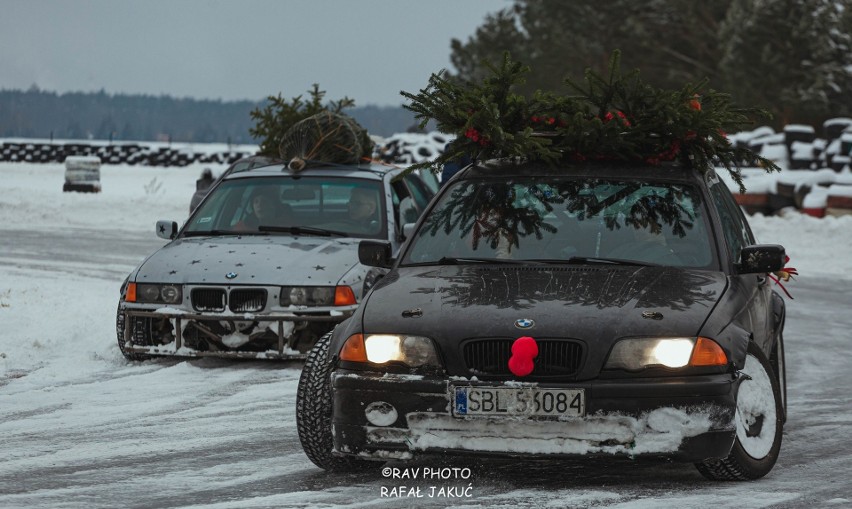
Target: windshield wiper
x=582, y=260
x=449, y=260
x=302, y=230
x=210, y=233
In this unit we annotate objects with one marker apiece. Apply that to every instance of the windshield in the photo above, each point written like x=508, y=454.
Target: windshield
x=565, y=221
x=304, y=205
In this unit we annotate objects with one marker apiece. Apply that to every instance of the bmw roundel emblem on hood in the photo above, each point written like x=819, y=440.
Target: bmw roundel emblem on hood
x=231, y=275
x=524, y=323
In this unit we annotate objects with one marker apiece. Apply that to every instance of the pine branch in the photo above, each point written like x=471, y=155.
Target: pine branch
x=616, y=117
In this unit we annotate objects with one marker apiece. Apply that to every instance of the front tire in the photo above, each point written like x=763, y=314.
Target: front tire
x=119, y=331
x=759, y=421
x=779, y=365
x=313, y=412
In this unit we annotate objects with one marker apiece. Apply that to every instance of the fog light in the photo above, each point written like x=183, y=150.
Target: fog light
x=380, y=413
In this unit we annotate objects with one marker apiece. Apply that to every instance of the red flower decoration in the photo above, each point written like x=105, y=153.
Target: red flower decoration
x=621, y=117
x=476, y=136
x=695, y=104
x=524, y=350
x=784, y=274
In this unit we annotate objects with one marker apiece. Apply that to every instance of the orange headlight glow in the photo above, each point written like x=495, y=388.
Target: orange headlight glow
x=130, y=293
x=343, y=296
x=353, y=349
x=707, y=353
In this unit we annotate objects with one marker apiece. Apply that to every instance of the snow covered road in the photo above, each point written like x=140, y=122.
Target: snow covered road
x=81, y=427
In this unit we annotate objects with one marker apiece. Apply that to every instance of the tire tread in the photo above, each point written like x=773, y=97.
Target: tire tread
x=313, y=412
x=736, y=467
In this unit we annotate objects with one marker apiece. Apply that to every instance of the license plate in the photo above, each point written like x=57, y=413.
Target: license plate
x=523, y=401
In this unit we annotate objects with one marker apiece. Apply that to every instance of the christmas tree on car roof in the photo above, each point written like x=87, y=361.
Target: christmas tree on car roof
x=613, y=118
x=325, y=138
x=310, y=131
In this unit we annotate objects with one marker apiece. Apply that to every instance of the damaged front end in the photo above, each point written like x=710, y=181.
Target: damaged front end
x=398, y=417
x=236, y=326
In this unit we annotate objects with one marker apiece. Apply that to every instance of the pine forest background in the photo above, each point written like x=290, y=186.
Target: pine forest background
x=42, y=114
x=791, y=57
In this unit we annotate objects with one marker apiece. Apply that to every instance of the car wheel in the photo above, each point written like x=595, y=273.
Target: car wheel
x=119, y=330
x=759, y=425
x=779, y=365
x=313, y=412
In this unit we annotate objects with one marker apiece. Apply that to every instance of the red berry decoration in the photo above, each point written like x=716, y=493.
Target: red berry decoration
x=695, y=103
x=524, y=350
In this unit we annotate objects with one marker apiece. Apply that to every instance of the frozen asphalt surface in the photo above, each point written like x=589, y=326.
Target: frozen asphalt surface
x=213, y=433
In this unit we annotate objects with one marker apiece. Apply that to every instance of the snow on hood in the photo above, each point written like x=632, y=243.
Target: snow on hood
x=268, y=259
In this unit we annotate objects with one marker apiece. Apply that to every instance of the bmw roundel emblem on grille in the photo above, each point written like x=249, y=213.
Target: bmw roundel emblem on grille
x=231, y=275
x=524, y=323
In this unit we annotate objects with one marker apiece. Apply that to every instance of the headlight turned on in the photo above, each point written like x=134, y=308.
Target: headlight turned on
x=635, y=354
x=413, y=351
x=154, y=293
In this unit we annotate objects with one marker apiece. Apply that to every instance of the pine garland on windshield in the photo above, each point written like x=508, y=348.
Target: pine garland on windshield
x=613, y=118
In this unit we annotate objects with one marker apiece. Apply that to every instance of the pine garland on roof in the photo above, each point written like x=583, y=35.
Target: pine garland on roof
x=612, y=118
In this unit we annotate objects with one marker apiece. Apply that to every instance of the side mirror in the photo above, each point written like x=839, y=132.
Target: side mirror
x=762, y=258
x=375, y=253
x=407, y=230
x=166, y=229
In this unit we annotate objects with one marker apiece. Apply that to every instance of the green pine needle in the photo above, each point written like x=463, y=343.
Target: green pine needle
x=616, y=117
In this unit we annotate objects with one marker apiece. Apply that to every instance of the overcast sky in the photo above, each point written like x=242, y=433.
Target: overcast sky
x=368, y=50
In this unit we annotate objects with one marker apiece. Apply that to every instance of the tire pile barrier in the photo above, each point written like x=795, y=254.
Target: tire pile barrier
x=818, y=180
x=410, y=148
x=116, y=153
x=402, y=149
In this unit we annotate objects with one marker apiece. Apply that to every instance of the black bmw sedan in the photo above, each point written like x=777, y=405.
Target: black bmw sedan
x=587, y=310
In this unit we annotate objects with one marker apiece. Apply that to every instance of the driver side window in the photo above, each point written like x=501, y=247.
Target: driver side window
x=733, y=227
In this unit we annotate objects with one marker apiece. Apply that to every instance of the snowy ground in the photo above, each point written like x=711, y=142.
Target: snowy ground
x=81, y=427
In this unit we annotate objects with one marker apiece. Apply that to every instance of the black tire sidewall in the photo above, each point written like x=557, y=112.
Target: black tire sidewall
x=754, y=468
x=120, y=323
x=313, y=403
x=779, y=367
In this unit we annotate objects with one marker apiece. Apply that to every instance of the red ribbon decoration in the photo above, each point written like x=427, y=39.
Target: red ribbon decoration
x=785, y=274
x=524, y=350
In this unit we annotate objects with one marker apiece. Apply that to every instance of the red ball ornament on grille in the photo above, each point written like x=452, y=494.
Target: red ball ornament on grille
x=524, y=350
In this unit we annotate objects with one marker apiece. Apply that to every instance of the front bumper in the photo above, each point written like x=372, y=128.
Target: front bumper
x=85, y=187
x=283, y=326
x=684, y=418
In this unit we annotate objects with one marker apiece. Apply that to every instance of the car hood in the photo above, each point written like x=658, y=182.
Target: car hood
x=592, y=304
x=260, y=260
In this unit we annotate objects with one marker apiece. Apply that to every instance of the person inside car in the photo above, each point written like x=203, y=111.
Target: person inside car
x=645, y=244
x=264, y=209
x=363, y=207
